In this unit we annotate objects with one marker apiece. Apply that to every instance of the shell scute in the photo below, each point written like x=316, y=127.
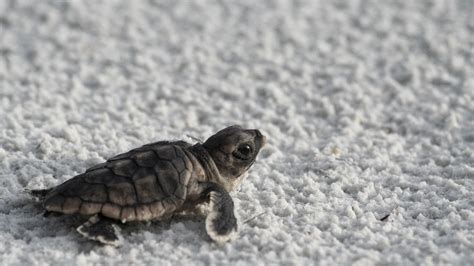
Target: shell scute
x=146, y=183
x=167, y=177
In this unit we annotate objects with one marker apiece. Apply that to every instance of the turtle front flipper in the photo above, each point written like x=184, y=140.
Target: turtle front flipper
x=101, y=230
x=221, y=223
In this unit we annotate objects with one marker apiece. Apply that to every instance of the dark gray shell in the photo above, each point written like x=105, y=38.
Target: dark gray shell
x=143, y=184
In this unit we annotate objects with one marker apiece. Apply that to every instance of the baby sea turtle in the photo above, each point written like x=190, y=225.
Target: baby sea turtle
x=158, y=179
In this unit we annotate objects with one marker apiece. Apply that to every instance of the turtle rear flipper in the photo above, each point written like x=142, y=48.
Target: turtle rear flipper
x=101, y=230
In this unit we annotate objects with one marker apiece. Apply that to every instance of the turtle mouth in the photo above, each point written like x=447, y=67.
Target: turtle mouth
x=239, y=174
x=250, y=165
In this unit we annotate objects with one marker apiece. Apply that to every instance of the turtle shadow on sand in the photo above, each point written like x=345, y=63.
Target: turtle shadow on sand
x=135, y=232
x=191, y=223
x=23, y=219
x=55, y=225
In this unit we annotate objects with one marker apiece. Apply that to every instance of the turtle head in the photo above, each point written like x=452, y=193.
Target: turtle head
x=234, y=149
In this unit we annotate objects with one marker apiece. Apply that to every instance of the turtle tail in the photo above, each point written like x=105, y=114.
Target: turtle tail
x=38, y=193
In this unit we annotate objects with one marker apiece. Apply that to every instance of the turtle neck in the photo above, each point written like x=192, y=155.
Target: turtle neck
x=207, y=163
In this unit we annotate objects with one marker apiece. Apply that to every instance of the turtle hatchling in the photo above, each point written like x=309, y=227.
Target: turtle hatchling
x=152, y=182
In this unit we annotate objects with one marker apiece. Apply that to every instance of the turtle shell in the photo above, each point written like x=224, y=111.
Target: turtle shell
x=143, y=184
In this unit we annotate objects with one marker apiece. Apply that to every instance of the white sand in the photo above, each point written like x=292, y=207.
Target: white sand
x=368, y=107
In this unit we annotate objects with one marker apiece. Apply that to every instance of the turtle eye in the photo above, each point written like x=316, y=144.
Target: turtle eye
x=245, y=149
x=243, y=152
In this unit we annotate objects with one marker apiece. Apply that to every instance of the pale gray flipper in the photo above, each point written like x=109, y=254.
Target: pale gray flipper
x=101, y=230
x=221, y=224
